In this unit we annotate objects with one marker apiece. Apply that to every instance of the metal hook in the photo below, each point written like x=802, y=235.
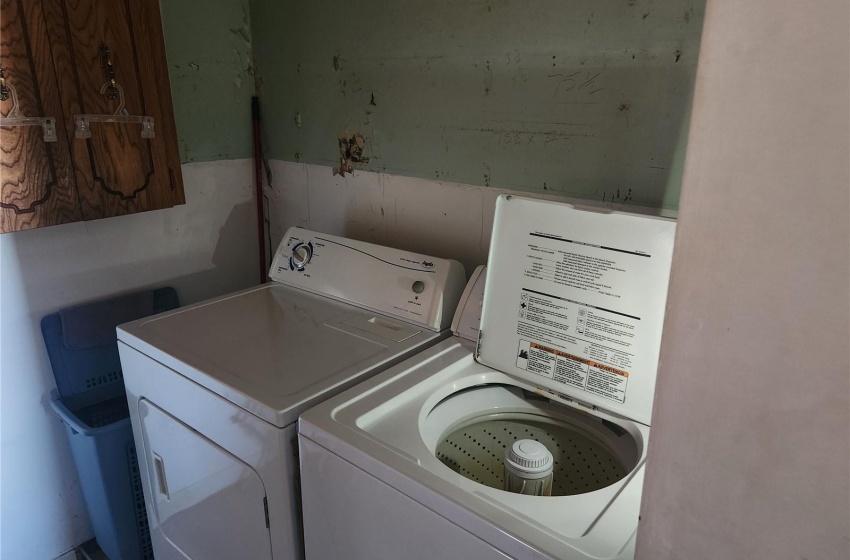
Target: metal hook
x=108, y=71
x=113, y=84
x=4, y=91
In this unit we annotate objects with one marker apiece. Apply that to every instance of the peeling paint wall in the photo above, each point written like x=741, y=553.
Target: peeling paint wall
x=578, y=98
x=211, y=72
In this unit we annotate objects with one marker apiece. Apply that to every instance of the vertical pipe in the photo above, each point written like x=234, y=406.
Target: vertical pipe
x=258, y=181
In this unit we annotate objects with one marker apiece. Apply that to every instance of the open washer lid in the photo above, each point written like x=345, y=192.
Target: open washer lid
x=575, y=302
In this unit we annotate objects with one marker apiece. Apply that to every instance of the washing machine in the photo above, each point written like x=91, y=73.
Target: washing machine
x=412, y=463
x=215, y=389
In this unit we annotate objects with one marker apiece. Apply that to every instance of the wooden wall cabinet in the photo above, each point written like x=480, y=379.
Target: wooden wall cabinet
x=58, y=55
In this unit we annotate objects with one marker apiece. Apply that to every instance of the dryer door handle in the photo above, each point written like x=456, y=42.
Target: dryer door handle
x=159, y=470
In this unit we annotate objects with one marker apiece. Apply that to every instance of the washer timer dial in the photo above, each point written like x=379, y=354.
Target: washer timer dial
x=301, y=255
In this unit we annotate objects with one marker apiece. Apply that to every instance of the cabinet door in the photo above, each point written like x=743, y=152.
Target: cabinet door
x=117, y=171
x=36, y=177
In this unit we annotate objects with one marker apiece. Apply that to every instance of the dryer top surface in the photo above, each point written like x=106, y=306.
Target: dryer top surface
x=274, y=350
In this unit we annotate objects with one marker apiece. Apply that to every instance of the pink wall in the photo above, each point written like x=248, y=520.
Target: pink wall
x=749, y=453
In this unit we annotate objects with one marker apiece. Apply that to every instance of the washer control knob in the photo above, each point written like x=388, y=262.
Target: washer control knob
x=301, y=255
x=418, y=287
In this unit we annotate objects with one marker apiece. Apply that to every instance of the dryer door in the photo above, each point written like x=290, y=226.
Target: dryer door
x=207, y=504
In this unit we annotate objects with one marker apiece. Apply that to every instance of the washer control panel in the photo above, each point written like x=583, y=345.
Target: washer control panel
x=467, y=320
x=413, y=287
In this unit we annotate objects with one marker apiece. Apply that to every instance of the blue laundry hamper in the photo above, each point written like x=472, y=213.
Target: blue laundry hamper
x=91, y=402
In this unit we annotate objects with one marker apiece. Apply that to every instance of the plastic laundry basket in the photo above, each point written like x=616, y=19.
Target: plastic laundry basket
x=91, y=402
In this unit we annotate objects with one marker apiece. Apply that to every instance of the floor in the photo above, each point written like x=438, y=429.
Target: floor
x=90, y=551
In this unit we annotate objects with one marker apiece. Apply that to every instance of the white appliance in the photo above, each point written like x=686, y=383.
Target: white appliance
x=215, y=388
x=409, y=464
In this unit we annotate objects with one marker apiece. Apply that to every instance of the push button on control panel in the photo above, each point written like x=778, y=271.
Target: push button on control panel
x=418, y=287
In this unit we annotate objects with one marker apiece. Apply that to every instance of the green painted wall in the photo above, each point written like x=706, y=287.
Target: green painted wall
x=208, y=44
x=581, y=97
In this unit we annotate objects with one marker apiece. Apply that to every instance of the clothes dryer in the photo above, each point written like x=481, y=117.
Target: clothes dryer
x=410, y=464
x=215, y=389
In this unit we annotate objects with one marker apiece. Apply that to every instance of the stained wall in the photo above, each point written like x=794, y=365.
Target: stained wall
x=578, y=98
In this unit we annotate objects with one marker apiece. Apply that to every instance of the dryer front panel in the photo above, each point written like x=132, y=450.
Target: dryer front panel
x=207, y=503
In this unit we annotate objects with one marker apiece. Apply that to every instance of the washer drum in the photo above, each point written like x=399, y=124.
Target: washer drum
x=589, y=453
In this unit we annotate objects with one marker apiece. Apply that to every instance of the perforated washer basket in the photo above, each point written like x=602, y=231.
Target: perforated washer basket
x=476, y=450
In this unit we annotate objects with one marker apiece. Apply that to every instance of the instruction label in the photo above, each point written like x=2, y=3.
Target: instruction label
x=575, y=302
x=579, y=372
x=567, y=339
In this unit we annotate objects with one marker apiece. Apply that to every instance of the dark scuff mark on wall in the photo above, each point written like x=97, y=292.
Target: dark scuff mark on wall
x=372, y=101
x=242, y=32
x=624, y=108
x=337, y=63
x=616, y=198
x=268, y=169
x=350, y=152
x=678, y=54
